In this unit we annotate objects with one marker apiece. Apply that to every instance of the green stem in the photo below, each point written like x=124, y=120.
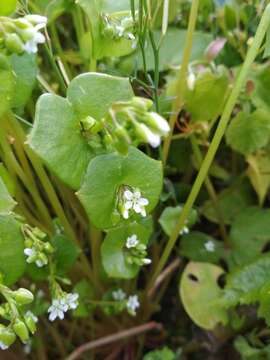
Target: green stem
x=251, y=55
x=181, y=82
x=155, y=49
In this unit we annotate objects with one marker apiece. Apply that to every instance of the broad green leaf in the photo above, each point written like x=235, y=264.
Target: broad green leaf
x=205, y=102
x=65, y=255
x=12, y=259
x=56, y=138
x=107, y=173
x=261, y=82
x=25, y=70
x=86, y=293
x=250, y=232
x=7, y=85
x=170, y=216
x=162, y=354
x=197, y=246
x=199, y=292
x=7, y=7
x=249, y=132
x=230, y=202
x=93, y=93
x=243, y=286
x=113, y=251
x=169, y=57
x=259, y=173
x=6, y=201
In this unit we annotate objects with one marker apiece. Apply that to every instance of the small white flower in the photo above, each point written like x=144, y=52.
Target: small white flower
x=57, y=309
x=119, y=295
x=132, y=241
x=33, y=316
x=191, y=79
x=27, y=348
x=135, y=201
x=31, y=45
x=209, y=246
x=146, y=261
x=36, y=19
x=40, y=263
x=120, y=30
x=133, y=304
x=30, y=252
x=159, y=123
x=72, y=301
x=152, y=138
x=185, y=230
x=3, y=346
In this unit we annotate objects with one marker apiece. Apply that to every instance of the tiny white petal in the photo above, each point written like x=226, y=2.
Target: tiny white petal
x=209, y=246
x=128, y=194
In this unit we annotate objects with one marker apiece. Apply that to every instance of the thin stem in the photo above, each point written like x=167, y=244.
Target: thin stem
x=155, y=49
x=251, y=55
x=181, y=82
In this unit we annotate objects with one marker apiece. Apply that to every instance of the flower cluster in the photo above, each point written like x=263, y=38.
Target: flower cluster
x=36, y=249
x=131, y=303
x=21, y=322
x=61, y=304
x=22, y=34
x=136, y=251
x=132, y=200
x=117, y=29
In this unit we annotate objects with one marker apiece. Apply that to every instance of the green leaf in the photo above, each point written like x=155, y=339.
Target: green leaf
x=93, y=93
x=7, y=84
x=249, y=234
x=86, y=293
x=25, y=70
x=249, y=352
x=106, y=173
x=207, y=99
x=249, y=132
x=259, y=173
x=162, y=354
x=56, y=138
x=113, y=249
x=7, y=7
x=109, y=6
x=230, y=202
x=194, y=246
x=199, y=293
x=56, y=8
x=12, y=259
x=261, y=82
x=6, y=201
x=65, y=255
x=170, y=216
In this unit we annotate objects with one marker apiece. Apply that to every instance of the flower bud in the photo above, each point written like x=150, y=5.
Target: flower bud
x=141, y=104
x=31, y=320
x=22, y=23
x=13, y=43
x=36, y=19
x=157, y=122
x=23, y=296
x=48, y=248
x=21, y=330
x=7, y=336
x=147, y=135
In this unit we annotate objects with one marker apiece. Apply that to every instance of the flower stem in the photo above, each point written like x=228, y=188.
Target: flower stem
x=251, y=55
x=181, y=81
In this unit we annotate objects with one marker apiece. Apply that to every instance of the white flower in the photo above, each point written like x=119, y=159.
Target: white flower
x=119, y=295
x=152, y=138
x=57, y=309
x=135, y=201
x=185, y=230
x=31, y=315
x=209, y=246
x=72, y=301
x=30, y=252
x=146, y=261
x=36, y=19
x=31, y=45
x=27, y=348
x=159, y=123
x=132, y=241
x=32, y=255
x=191, y=79
x=3, y=346
x=40, y=263
x=133, y=304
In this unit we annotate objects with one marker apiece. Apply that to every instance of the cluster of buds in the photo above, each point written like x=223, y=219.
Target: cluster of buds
x=36, y=249
x=22, y=323
x=131, y=303
x=127, y=123
x=61, y=302
x=136, y=251
x=119, y=28
x=130, y=199
x=22, y=34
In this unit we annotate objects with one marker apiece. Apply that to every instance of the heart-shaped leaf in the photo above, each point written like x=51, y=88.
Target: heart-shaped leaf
x=113, y=250
x=199, y=292
x=107, y=173
x=12, y=259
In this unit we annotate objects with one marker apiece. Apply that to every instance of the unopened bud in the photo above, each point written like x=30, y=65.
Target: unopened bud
x=7, y=336
x=21, y=330
x=31, y=320
x=13, y=43
x=141, y=104
x=157, y=122
x=23, y=296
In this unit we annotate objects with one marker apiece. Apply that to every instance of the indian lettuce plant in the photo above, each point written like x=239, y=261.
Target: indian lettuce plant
x=126, y=126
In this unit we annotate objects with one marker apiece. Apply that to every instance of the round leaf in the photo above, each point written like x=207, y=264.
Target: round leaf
x=106, y=173
x=113, y=249
x=200, y=292
x=170, y=216
x=12, y=259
